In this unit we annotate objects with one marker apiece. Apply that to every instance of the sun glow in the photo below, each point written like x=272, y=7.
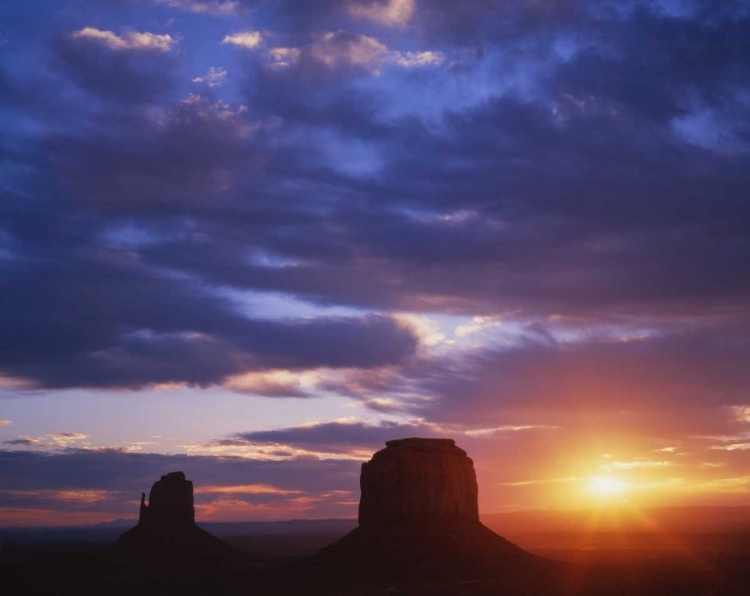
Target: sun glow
x=606, y=486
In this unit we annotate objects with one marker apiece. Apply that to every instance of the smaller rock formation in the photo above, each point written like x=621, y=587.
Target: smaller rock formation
x=170, y=504
x=168, y=545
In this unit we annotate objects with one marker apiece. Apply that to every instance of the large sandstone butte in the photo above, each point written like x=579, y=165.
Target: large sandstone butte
x=418, y=485
x=419, y=525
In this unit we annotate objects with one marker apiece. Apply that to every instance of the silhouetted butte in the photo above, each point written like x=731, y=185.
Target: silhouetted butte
x=167, y=543
x=170, y=504
x=419, y=523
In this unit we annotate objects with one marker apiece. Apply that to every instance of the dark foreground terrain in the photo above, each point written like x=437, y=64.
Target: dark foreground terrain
x=274, y=559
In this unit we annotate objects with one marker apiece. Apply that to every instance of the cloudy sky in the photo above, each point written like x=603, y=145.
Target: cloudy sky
x=254, y=239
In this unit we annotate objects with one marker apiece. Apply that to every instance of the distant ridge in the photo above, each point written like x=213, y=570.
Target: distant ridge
x=690, y=518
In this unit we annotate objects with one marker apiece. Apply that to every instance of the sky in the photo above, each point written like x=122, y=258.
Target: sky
x=252, y=240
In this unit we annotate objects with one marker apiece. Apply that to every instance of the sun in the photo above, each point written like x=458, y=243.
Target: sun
x=606, y=486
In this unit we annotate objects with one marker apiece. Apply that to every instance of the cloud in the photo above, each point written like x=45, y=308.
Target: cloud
x=150, y=328
x=215, y=77
x=544, y=481
x=136, y=68
x=223, y=345
x=284, y=57
x=344, y=437
x=477, y=325
x=587, y=255
x=341, y=48
x=5, y=423
x=742, y=413
x=25, y=441
x=66, y=439
x=542, y=172
x=211, y=7
x=417, y=59
x=685, y=367
x=332, y=50
x=629, y=465
x=732, y=447
x=386, y=12
x=197, y=107
x=245, y=489
x=276, y=383
x=146, y=328
x=245, y=39
x=130, y=40
x=85, y=496
x=53, y=440
x=352, y=438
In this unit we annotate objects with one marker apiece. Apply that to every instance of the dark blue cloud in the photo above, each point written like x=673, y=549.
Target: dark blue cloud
x=102, y=321
x=121, y=471
x=124, y=76
x=568, y=158
x=334, y=437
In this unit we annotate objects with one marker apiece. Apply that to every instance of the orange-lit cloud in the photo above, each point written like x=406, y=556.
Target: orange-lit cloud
x=245, y=489
x=53, y=440
x=732, y=447
x=537, y=482
x=286, y=504
x=276, y=382
x=8, y=382
x=741, y=413
x=629, y=465
x=73, y=496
